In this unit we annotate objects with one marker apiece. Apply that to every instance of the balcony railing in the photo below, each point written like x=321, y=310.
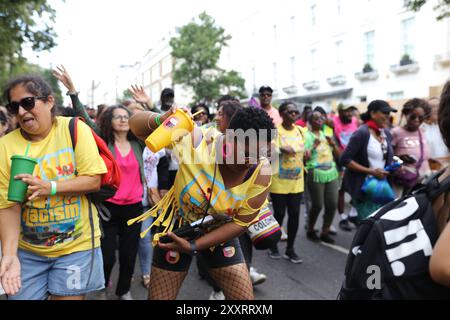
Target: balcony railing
x=337, y=81
x=408, y=68
x=443, y=59
x=291, y=89
x=312, y=85
x=367, y=76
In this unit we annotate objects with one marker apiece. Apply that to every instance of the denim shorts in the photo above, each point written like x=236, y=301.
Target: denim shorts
x=63, y=276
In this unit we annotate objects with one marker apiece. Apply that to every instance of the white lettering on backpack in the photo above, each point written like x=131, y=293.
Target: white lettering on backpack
x=398, y=214
x=374, y=281
x=420, y=243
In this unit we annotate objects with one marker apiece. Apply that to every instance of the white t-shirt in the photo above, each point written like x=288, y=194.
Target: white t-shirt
x=435, y=143
x=375, y=154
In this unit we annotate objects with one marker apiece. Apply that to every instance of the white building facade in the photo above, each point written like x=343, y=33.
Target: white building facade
x=323, y=52
x=314, y=51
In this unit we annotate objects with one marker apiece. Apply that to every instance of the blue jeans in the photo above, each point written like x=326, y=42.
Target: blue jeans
x=63, y=276
x=145, y=248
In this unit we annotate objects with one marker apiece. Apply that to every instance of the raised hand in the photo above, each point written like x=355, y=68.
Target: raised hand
x=139, y=95
x=62, y=75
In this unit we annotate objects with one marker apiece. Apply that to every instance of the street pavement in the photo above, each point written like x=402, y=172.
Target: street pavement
x=319, y=277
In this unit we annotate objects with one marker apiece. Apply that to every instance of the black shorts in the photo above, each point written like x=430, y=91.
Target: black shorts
x=227, y=254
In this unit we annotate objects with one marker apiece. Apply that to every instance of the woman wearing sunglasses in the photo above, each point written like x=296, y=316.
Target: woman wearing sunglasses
x=46, y=240
x=201, y=118
x=322, y=178
x=410, y=145
x=367, y=154
x=218, y=182
x=287, y=184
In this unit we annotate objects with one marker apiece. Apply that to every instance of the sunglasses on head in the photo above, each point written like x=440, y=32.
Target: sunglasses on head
x=27, y=103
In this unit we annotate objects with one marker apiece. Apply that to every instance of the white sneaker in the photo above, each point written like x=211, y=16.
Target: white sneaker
x=256, y=277
x=216, y=296
x=126, y=296
x=333, y=230
x=284, y=235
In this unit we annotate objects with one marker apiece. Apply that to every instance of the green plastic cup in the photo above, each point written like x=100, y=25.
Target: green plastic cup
x=17, y=189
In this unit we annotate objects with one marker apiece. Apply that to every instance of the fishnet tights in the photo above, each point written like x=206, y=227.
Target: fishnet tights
x=234, y=281
x=164, y=284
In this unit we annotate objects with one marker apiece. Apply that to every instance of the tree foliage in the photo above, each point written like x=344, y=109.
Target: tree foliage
x=23, y=22
x=47, y=74
x=197, y=50
x=442, y=7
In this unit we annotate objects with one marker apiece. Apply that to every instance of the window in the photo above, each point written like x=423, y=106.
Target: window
x=156, y=74
x=292, y=25
x=146, y=78
x=397, y=95
x=292, y=69
x=313, y=54
x=313, y=14
x=275, y=72
x=408, y=42
x=339, y=7
x=369, y=47
x=167, y=65
x=254, y=78
x=339, y=57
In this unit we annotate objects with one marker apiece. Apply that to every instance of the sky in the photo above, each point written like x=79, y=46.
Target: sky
x=95, y=37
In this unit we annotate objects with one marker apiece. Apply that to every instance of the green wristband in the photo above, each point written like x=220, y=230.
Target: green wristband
x=53, y=191
x=158, y=120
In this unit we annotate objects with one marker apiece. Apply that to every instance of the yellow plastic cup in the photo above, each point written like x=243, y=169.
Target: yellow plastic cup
x=172, y=128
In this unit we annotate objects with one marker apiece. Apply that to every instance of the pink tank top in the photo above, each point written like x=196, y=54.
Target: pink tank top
x=130, y=190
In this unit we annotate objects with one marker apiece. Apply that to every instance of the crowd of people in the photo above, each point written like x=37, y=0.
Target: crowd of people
x=58, y=245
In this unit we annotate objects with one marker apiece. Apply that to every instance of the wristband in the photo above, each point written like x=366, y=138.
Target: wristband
x=69, y=93
x=158, y=120
x=53, y=192
x=194, y=250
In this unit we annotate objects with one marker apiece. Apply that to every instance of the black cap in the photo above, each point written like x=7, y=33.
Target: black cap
x=265, y=89
x=167, y=92
x=380, y=105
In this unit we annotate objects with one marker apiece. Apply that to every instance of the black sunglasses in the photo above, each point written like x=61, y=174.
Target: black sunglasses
x=27, y=103
x=265, y=94
x=293, y=112
x=413, y=117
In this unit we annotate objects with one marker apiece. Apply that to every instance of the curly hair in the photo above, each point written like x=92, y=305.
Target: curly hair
x=34, y=84
x=444, y=114
x=230, y=107
x=415, y=103
x=253, y=118
x=105, y=124
x=284, y=105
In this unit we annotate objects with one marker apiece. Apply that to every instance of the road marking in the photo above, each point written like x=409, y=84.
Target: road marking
x=336, y=247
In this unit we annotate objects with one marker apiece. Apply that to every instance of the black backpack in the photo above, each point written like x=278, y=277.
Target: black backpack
x=390, y=254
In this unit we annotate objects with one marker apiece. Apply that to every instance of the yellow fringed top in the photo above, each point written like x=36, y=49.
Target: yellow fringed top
x=188, y=198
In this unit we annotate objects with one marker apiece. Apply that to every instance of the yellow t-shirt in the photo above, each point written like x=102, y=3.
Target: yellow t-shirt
x=289, y=178
x=188, y=198
x=57, y=225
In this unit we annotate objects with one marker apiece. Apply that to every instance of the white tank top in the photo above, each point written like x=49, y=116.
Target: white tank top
x=375, y=153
